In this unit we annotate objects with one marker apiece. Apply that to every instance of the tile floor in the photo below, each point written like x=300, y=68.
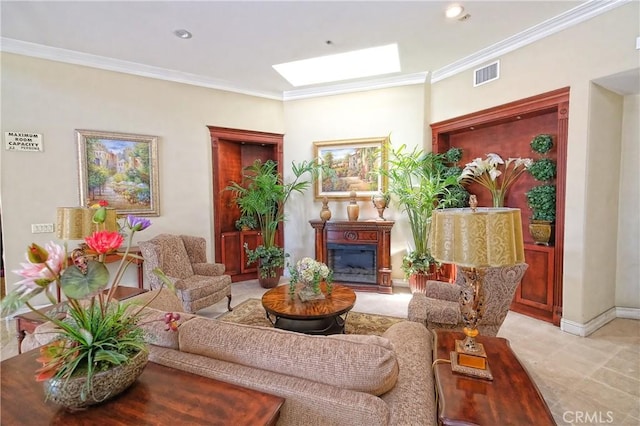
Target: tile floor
x=590, y=380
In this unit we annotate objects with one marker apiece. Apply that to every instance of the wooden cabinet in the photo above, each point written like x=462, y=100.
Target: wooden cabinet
x=232, y=150
x=234, y=256
x=508, y=130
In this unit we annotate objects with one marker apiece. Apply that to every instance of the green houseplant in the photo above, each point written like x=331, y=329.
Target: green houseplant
x=542, y=198
x=263, y=194
x=421, y=182
x=246, y=223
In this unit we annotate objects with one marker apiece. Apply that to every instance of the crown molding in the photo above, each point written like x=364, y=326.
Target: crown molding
x=19, y=47
x=358, y=86
x=551, y=26
x=544, y=29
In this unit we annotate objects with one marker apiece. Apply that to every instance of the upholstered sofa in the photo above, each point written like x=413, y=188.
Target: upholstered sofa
x=325, y=380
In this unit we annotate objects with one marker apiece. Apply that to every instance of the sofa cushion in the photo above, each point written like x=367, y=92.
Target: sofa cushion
x=361, y=363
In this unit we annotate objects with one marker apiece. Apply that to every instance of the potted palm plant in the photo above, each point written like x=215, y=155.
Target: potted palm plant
x=263, y=194
x=542, y=198
x=421, y=182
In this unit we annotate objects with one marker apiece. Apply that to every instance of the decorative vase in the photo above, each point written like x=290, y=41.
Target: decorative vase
x=498, y=198
x=310, y=292
x=380, y=203
x=325, y=213
x=541, y=231
x=269, y=281
x=353, y=209
x=104, y=385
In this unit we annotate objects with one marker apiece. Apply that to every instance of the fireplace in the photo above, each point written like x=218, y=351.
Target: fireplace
x=358, y=252
x=354, y=263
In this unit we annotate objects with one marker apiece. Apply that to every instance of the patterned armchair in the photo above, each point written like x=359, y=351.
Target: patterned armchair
x=183, y=259
x=439, y=306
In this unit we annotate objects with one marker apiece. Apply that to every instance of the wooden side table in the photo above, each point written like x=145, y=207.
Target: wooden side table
x=27, y=322
x=159, y=396
x=511, y=398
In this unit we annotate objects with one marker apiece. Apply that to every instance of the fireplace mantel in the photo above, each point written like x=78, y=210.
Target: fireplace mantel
x=375, y=233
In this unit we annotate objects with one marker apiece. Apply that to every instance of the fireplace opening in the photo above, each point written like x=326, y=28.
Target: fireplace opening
x=352, y=263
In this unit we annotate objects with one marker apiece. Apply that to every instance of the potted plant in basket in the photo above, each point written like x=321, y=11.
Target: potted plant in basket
x=421, y=182
x=263, y=194
x=98, y=348
x=542, y=198
x=246, y=222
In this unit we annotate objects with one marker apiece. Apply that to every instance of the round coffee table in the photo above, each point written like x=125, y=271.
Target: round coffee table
x=321, y=316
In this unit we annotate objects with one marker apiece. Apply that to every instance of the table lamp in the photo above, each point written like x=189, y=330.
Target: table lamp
x=474, y=239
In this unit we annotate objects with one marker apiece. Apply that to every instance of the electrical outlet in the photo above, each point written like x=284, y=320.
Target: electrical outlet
x=40, y=228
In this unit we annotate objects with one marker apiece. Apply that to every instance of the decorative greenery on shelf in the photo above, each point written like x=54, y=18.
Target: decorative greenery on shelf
x=246, y=222
x=543, y=170
x=542, y=143
x=421, y=182
x=542, y=201
x=542, y=198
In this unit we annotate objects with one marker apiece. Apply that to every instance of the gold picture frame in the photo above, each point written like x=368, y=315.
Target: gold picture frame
x=356, y=163
x=121, y=168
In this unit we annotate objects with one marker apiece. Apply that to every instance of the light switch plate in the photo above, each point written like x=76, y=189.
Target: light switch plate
x=40, y=228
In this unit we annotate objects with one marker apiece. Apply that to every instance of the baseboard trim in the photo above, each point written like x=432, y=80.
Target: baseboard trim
x=584, y=330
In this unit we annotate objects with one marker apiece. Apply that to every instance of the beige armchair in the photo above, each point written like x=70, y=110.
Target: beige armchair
x=183, y=259
x=439, y=306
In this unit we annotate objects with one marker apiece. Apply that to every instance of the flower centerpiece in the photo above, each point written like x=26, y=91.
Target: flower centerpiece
x=96, y=333
x=310, y=273
x=495, y=174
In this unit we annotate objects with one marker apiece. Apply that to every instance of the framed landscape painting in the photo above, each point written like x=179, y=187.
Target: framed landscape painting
x=356, y=163
x=121, y=169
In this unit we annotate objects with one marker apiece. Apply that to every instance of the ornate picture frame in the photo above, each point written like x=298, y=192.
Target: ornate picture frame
x=121, y=168
x=357, y=164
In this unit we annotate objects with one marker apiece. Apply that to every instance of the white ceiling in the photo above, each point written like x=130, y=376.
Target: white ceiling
x=235, y=43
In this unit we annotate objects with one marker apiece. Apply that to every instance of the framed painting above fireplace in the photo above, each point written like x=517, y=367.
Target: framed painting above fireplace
x=356, y=163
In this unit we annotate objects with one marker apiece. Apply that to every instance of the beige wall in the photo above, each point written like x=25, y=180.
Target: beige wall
x=602, y=46
x=628, y=268
x=398, y=112
x=53, y=99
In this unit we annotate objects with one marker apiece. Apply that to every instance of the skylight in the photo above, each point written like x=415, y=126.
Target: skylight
x=342, y=66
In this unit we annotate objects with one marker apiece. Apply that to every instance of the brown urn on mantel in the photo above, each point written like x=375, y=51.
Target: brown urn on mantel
x=353, y=209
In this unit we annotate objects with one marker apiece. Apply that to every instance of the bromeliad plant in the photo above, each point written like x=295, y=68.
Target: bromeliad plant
x=97, y=332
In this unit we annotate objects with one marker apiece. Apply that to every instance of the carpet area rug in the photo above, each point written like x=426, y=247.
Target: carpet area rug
x=251, y=312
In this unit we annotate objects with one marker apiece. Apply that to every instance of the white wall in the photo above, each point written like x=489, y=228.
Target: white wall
x=602, y=46
x=397, y=111
x=628, y=265
x=53, y=99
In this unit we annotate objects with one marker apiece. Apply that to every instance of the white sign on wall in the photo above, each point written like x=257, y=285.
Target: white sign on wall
x=23, y=141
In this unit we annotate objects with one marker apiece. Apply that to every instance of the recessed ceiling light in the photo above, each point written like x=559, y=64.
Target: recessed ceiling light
x=342, y=66
x=183, y=34
x=454, y=11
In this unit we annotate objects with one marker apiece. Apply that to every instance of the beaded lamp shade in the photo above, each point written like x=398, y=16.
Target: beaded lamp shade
x=75, y=223
x=477, y=239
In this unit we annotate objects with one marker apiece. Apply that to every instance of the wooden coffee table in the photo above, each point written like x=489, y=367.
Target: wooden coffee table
x=160, y=396
x=27, y=322
x=511, y=398
x=323, y=316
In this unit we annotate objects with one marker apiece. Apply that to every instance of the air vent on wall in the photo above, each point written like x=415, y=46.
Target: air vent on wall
x=486, y=74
